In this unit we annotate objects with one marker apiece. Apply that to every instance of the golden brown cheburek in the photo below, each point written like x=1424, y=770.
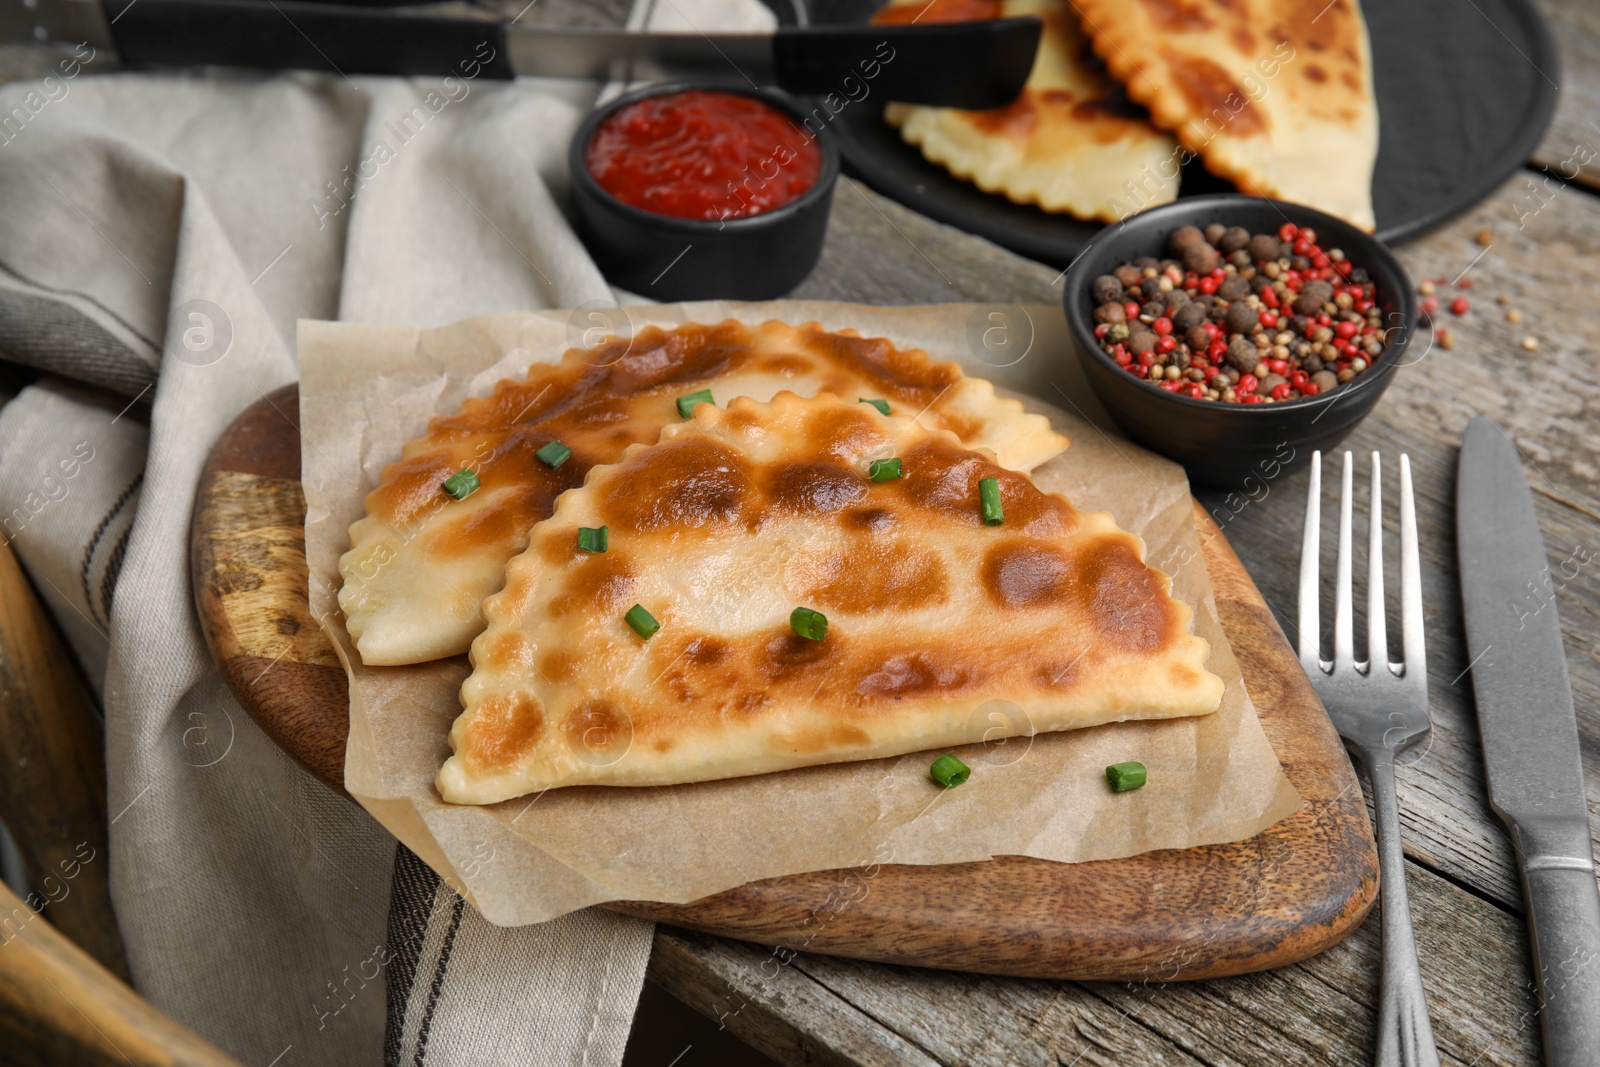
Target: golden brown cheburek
x=740, y=516
x=421, y=563
x=1071, y=141
x=1274, y=94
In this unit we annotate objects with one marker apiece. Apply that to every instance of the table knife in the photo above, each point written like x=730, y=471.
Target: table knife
x=1530, y=734
x=968, y=64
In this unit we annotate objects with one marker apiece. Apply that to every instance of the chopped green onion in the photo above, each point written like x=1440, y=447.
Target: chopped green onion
x=881, y=405
x=592, y=540
x=687, y=402
x=884, y=470
x=989, y=493
x=1125, y=777
x=554, y=454
x=949, y=771
x=809, y=624
x=644, y=624
x=462, y=484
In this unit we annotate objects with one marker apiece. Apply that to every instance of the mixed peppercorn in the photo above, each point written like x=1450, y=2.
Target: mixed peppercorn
x=1240, y=317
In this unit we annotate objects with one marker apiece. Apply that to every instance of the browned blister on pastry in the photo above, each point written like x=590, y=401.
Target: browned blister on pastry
x=421, y=562
x=1274, y=94
x=740, y=516
x=1070, y=142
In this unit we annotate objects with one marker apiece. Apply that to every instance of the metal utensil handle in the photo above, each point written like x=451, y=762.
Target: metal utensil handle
x=1405, y=1034
x=1564, y=924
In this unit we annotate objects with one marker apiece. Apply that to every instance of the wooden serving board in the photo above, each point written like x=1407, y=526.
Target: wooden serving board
x=1281, y=896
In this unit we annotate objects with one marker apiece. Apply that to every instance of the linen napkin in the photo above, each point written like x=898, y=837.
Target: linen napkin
x=162, y=233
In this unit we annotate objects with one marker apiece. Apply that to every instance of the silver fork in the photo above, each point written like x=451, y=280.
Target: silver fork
x=1380, y=709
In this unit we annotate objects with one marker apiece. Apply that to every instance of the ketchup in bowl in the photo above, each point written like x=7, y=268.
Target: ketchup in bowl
x=703, y=154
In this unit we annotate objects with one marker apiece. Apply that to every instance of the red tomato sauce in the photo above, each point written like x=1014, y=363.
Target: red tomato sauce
x=702, y=154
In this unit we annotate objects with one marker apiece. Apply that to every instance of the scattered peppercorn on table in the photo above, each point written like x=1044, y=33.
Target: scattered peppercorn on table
x=1519, y=353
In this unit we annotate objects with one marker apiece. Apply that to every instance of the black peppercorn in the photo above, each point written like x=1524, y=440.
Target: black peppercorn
x=1105, y=289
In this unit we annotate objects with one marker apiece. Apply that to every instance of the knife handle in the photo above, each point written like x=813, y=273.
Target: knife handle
x=1564, y=926
x=292, y=34
x=956, y=64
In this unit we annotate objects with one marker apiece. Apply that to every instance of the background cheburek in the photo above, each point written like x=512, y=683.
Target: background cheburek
x=365, y=390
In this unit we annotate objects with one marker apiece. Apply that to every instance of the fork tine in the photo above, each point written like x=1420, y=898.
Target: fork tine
x=1377, y=631
x=1410, y=578
x=1310, y=623
x=1343, y=611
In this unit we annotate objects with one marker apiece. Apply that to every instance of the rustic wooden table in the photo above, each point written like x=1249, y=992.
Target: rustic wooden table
x=1544, y=256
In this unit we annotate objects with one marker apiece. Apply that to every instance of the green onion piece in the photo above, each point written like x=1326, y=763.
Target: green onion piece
x=949, y=771
x=809, y=624
x=884, y=470
x=989, y=493
x=687, y=402
x=644, y=624
x=592, y=540
x=881, y=405
x=554, y=454
x=462, y=484
x=1125, y=777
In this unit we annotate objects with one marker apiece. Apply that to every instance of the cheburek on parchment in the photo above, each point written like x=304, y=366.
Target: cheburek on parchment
x=739, y=516
x=420, y=563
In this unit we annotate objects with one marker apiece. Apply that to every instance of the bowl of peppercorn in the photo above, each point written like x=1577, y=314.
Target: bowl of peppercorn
x=1236, y=334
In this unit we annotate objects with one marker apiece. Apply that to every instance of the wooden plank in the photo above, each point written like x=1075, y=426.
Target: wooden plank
x=1319, y=1011
x=60, y=1006
x=1571, y=148
x=53, y=794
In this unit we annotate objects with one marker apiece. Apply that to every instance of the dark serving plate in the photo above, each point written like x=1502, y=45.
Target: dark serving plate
x=1465, y=92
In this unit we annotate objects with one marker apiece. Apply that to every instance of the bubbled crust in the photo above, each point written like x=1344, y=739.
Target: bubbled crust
x=1068, y=142
x=1274, y=94
x=420, y=563
x=742, y=514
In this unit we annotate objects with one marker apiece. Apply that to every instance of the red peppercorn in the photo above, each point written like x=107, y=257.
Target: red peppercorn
x=1166, y=344
x=1459, y=305
x=1269, y=298
x=1209, y=371
x=1280, y=391
x=1100, y=330
x=1302, y=247
x=1345, y=330
x=1162, y=326
x=1131, y=309
x=1288, y=231
x=1146, y=358
x=1320, y=260
x=1218, y=349
x=1464, y=283
x=1430, y=305
x=1294, y=280
x=1196, y=390
x=1344, y=266
x=1219, y=274
x=1251, y=399
x=1310, y=235
x=1278, y=366
x=1269, y=319
x=1122, y=358
x=1171, y=387
x=1208, y=285
x=1363, y=305
x=1247, y=383
x=1310, y=389
x=1213, y=331
x=1299, y=379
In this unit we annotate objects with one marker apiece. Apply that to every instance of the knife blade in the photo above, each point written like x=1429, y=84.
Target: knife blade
x=967, y=65
x=1530, y=734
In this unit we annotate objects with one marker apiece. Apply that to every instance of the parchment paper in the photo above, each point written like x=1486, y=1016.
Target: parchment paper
x=366, y=389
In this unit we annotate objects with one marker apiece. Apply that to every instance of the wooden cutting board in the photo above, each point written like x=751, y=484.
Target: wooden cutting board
x=1281, y=896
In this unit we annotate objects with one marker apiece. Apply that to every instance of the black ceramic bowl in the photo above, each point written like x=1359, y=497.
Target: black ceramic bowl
x=664, y=258
x=1231, y=445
